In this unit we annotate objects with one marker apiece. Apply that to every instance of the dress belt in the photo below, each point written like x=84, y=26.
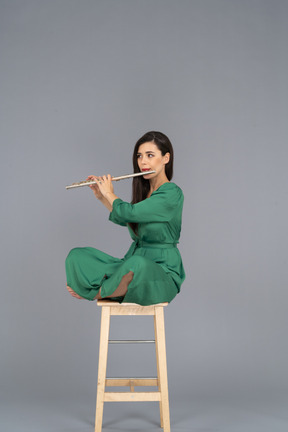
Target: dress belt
x=141, y=243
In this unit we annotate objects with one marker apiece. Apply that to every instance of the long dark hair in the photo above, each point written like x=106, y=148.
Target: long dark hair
x=140, y=186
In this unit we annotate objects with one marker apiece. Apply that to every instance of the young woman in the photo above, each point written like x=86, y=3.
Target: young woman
x=151, y=271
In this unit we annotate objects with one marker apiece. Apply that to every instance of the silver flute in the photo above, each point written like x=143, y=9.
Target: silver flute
x=123, y=177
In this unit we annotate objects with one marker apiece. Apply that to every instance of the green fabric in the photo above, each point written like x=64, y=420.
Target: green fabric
x=153, y=256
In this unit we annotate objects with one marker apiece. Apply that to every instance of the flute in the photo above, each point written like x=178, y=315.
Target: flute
x=91, y=182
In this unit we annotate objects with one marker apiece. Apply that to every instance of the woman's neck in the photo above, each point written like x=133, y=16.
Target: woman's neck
x=156, y=182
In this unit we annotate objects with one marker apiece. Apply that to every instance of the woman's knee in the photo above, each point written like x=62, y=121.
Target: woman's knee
x=73, y=255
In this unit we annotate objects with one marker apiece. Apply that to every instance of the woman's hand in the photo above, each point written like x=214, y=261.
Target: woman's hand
x=95, y=187
x=105, y=186
x=103, y=190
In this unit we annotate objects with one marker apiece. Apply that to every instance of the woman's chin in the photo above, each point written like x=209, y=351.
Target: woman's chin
x=147, y=176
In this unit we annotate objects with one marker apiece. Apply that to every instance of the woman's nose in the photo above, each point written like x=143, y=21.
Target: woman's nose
x=144, y=160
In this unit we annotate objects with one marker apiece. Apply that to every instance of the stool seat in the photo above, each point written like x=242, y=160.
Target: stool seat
x=112, y=308
x=105, y=302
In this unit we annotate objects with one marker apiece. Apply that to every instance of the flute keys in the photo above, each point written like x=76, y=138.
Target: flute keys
x=90, y=182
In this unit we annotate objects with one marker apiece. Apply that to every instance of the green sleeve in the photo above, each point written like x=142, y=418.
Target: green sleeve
x=114, y=218
x=162, y=206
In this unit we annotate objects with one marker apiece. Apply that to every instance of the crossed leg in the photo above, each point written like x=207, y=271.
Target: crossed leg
x=120, y=291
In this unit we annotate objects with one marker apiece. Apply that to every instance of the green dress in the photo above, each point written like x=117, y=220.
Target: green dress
x=153, y=256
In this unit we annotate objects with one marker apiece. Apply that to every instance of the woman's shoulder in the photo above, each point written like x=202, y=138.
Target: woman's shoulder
x=170, y=188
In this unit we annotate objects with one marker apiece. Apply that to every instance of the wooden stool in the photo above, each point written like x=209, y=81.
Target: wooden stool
x=110, y=308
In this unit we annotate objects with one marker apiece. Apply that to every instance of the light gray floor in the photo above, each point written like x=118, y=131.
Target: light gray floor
x=263, y=413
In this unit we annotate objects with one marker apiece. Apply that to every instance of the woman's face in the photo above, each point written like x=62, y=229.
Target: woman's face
x=149, y=158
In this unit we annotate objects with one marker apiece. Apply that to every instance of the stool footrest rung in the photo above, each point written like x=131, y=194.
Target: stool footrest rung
x=129, y=341
x=127, y=382
x=132, y=397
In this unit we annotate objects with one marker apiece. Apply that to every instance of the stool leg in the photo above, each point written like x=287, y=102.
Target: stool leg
x=162, y=366
x=102, y=365
x=158, y=375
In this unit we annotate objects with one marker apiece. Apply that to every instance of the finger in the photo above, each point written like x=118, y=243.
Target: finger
x=94, y=186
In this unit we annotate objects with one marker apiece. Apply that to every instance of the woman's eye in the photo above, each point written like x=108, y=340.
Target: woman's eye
x=150, y=155
x=138, y=156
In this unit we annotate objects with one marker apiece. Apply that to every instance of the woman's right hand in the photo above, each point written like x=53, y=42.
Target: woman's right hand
x=95, y=187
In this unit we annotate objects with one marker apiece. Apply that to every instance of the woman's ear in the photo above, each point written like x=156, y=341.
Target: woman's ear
x=166, y=158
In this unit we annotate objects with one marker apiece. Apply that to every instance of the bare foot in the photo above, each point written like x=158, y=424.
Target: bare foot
x=122, y=288
x=73, y=293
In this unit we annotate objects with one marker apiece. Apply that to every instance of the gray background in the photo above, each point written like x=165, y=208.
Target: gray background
x=81, y=81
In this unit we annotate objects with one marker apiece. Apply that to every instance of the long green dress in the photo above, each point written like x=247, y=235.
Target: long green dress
x=153, y=256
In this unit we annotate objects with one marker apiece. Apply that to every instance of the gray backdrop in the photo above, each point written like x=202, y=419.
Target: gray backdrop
x=81, y=81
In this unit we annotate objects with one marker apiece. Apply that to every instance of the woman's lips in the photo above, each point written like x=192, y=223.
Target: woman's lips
x=146, y=169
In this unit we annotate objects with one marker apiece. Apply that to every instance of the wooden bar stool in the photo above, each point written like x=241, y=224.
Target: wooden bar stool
x=110, y=308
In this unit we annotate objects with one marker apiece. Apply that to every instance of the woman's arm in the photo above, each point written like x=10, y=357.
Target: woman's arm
x=162, y=206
